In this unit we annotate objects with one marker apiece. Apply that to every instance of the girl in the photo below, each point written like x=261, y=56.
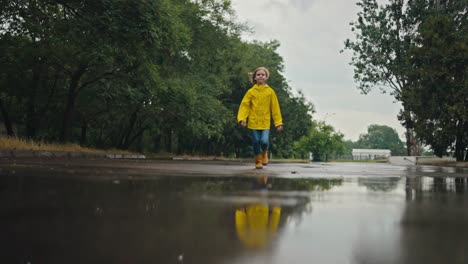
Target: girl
x=258, y=105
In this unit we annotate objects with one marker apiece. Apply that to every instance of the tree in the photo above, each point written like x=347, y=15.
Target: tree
x=438, y=94
x=382, y=137
x=322, y=141
x=384, y=35
x=68, y=48
x=350, y=145
x=145, y=75
x=418, y=49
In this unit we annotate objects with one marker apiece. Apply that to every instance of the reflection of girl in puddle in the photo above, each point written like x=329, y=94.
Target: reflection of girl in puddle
x=256, y=224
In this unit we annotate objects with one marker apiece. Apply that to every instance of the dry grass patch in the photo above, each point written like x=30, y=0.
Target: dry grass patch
x=13, y=143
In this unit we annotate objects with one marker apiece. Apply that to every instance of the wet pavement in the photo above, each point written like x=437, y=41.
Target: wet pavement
x=101, y=211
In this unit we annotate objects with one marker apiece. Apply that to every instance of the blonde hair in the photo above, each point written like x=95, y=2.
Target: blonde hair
x=252, y=75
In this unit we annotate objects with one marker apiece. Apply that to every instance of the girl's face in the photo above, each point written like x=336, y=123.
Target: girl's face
x=260, y=77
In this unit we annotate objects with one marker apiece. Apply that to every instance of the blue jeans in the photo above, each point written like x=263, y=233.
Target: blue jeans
x=260, y=140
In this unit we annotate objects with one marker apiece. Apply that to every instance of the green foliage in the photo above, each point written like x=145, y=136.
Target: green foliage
x=322, y=141
x=439, y=88
x=349, y=146
x=145, y=75
x=418, y=50
x=381, y=137
x=383, y=37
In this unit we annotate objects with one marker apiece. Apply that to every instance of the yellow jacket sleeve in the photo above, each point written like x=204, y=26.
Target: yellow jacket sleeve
x=276, y=111
x=244, y=108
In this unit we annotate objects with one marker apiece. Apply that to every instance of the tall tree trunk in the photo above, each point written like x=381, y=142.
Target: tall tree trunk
x=168, y=140
x=73, y=90
x=31, y=119
x=460, y=144
x=466, y=138
x=409, y=141
x=138, y=135
x=459, y=149
x=84, y=132
x=174, y=141
x=139, y=144
x=125, y=141
x=6, y=120
x=157, y=140
x=237, y=152
x=67, y=117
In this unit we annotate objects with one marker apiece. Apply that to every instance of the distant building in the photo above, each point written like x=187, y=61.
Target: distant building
x=370, y=154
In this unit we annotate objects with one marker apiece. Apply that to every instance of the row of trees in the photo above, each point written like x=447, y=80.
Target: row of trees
x=418, y=50
x=323, y=142
x=378, y=137
x=161, y=75
x=144, y=75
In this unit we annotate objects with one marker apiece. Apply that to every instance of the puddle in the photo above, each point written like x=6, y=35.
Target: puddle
x=358, y=218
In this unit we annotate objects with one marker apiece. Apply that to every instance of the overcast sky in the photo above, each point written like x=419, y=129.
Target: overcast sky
x=311, y=33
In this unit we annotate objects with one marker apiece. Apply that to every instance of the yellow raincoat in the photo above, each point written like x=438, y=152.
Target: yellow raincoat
x=258, y=105
x=257, y=224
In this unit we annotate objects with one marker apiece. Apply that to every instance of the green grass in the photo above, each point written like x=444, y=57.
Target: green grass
x=14, y=143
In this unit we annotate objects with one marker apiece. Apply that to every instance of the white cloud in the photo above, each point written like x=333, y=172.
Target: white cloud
x=311, y=33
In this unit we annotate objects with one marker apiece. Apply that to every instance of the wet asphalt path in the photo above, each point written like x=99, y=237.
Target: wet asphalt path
x=111, y=211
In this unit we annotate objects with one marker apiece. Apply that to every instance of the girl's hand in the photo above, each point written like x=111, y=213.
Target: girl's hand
x=243, y=124
x=279, y=128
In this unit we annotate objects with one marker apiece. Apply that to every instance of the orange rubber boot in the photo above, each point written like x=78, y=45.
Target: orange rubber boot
x=258, y=161
x=265, y=157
